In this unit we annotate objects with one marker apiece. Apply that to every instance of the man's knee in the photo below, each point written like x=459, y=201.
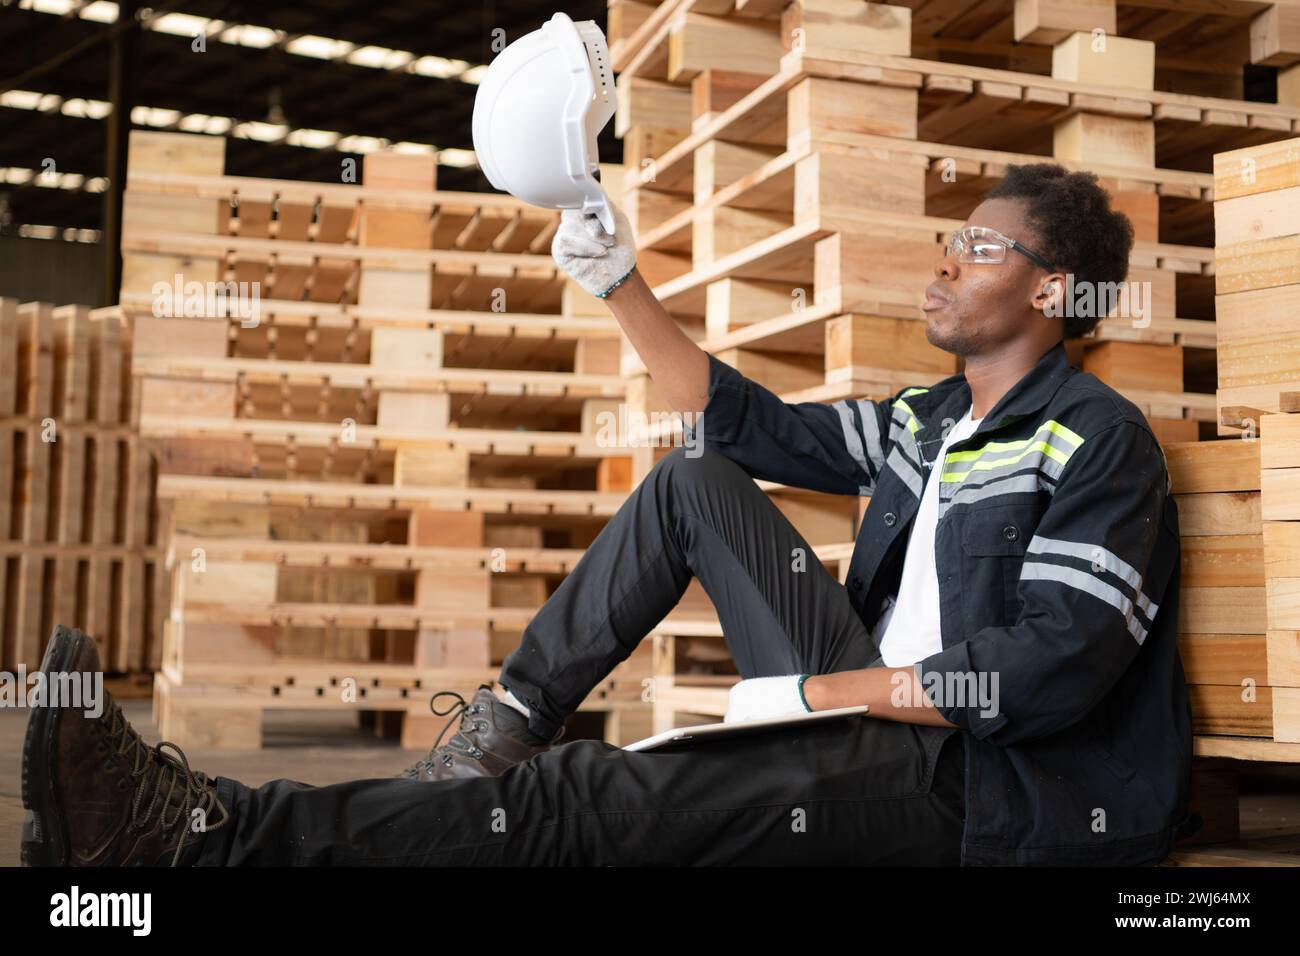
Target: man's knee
x=701, y=464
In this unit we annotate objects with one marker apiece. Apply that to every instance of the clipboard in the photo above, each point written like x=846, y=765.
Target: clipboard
x=722, y=731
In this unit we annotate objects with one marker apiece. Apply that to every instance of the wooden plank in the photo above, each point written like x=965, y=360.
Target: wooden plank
x=8, y=360
x=72, y=348
x=1237, y=610
x=697, y=42
x=103, y=456
x=1118, y=61
x=36, y=398
x=1226, y=709
x=1050, y=21
x=310, y=494
x=127, y=653
x=1255, y=265
x=1267, y=215
x=1213, y=466
x=847, y=24
x=1219, y=513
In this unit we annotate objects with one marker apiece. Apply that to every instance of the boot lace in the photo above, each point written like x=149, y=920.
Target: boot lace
x=162, y=781
x=459, y=709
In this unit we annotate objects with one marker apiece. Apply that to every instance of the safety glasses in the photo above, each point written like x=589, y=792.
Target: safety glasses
x=981, y=244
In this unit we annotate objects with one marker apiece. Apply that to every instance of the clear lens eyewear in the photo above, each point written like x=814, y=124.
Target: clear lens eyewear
x=980, y=244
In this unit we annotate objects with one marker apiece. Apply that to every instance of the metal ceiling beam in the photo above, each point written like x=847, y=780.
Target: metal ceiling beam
x=121, y=85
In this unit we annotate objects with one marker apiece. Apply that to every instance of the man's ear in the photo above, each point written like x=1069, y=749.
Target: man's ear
x=1049, y=297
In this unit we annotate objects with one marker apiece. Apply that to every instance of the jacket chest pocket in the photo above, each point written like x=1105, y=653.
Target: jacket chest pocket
x=993, y=543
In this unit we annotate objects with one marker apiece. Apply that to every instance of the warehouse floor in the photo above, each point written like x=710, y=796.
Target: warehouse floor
x=338, y=751
x=325, y=747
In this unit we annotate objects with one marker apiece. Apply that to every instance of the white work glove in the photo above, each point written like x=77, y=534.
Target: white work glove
x=599, y=262
x=762, y=697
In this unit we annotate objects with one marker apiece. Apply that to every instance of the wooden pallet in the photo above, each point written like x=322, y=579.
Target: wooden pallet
x=851, y=367
x=315, y=242
x=76, y=540
x=400, y=458
x=1203, y=50
x=772, y=213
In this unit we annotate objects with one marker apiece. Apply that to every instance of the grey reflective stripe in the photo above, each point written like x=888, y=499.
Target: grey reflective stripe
x=1014, y=484
x=1026, y=482
x=1036, y=460
x=863, y=444
x=898, y=422
x=1088, y=583
x=1095, y=554
x=903, y=468
x=872, y=444
x=905, y=441
x=852, y=439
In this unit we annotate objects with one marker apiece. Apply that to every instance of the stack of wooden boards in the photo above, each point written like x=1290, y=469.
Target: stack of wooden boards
x=1240, y=498
x=793, y=169
x=77, y=511
x=382, y=450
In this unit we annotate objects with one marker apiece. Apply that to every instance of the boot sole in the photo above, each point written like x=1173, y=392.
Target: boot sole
x=44, y=842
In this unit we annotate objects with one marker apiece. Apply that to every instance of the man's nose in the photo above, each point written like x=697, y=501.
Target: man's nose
x=947, y=267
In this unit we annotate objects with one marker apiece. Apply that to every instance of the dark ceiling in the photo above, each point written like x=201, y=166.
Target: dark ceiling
x=243, y=83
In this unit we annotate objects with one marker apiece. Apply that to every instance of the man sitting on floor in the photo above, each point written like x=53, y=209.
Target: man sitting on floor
x=1010, y=617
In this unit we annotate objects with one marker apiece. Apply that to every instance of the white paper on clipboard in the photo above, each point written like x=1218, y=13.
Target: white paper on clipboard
x=738, y=728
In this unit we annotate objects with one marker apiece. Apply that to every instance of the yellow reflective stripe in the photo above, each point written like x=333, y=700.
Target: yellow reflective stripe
x=1026, y=446
x=991, y=446
x=913, y=391
x=1056, y=428
x=1051, y=425
x=1054, y=453
x=913, y=425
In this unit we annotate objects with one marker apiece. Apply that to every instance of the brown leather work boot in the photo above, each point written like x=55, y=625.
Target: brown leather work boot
x=493, y=736
x=96, y=794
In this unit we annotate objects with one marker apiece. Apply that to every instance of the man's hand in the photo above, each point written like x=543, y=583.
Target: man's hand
x=596, y=260
x=762, y=697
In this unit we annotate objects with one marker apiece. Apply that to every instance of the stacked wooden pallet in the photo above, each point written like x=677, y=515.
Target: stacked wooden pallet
x=383, y=452
x=77, y=525
x=793, y=170
x=1240, y=631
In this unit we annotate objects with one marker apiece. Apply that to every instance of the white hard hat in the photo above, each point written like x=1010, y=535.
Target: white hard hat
x=537, y=112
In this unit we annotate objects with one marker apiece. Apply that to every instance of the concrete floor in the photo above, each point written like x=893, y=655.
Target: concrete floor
x=313, y=747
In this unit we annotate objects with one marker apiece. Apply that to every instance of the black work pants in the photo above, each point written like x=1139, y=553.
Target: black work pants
x=859, y=791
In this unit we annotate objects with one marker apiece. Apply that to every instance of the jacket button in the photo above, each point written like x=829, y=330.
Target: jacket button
x=856, y=584
x=1010, y=532
x=890, y=518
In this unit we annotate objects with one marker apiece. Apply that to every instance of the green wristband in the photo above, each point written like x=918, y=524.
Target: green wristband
x=601, y=295
x=802, y=678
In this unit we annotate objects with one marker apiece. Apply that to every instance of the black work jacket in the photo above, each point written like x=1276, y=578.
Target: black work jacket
x=1057, y=557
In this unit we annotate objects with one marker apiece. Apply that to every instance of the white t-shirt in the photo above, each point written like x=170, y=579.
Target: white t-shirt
x=909, y=621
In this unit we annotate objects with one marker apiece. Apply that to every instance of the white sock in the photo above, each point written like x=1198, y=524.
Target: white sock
x=516, y=703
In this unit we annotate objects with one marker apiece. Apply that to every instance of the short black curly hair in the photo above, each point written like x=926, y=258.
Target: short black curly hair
x=1077, y=230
